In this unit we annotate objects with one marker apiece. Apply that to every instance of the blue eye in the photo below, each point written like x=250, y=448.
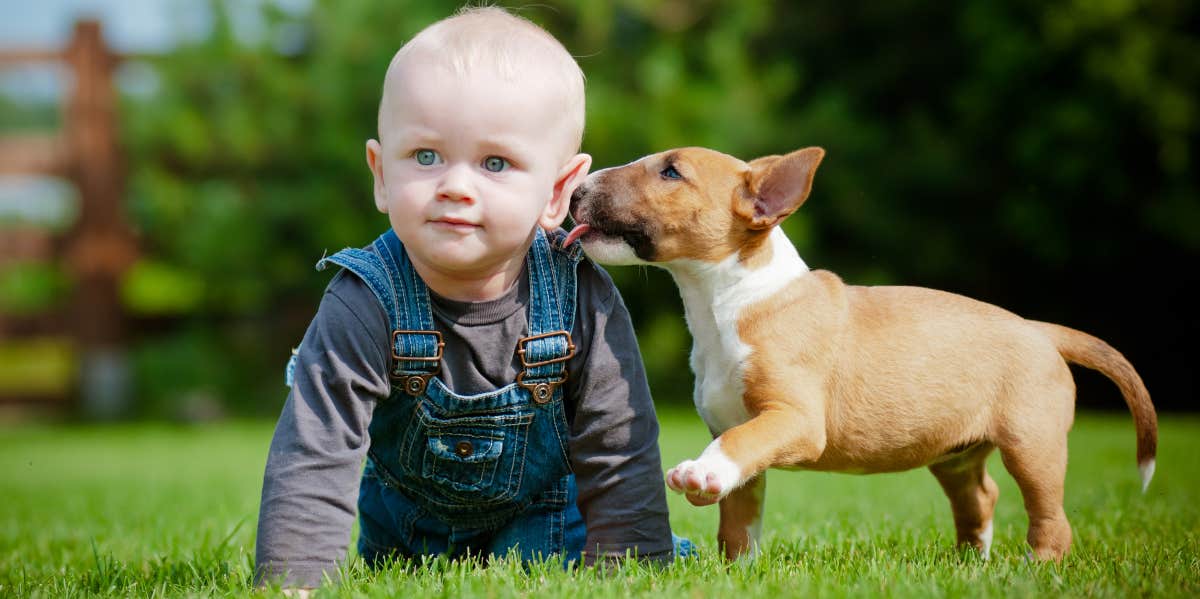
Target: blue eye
x=670, y=172
x=495, y=164
x=426, y=157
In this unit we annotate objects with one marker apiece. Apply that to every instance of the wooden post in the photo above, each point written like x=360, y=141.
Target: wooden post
x=100, y=247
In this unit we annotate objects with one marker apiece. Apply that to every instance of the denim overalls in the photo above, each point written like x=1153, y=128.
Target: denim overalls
x=480, y=474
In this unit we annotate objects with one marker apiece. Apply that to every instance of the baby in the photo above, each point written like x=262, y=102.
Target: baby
x=486, y=372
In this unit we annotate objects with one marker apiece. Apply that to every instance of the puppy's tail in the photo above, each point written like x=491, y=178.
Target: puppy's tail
x=1088, y=351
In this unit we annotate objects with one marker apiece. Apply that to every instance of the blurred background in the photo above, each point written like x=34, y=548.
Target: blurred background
x=171, y=170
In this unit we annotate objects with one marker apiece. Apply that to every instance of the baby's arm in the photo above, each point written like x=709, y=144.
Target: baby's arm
x=315, y=461
x=614, y=433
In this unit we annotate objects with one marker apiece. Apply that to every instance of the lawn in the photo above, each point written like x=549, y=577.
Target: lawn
x=162, y=510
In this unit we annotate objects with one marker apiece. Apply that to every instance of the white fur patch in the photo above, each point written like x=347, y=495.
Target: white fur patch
x=713, y=461
x=754, y=530
x=714, y=298
x=754, y=533
x=611, y=251
x=1147, y=471
x=986, y=537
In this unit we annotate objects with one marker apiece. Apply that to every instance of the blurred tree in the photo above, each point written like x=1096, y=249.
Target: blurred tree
x=1036, y=155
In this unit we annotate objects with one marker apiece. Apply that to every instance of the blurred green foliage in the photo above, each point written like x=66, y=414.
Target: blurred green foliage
x=1039, y=155
x=42, y=366
x=18, y=116
x=31, y=287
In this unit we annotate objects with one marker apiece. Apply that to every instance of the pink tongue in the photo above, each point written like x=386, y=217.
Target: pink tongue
x=575, y=233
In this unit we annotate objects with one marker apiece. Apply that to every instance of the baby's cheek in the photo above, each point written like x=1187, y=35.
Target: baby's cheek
x=516, y=216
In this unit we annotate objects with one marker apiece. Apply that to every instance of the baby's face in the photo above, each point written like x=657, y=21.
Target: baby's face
x=468, y=167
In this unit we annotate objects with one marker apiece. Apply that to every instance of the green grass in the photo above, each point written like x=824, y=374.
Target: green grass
x=160, y=510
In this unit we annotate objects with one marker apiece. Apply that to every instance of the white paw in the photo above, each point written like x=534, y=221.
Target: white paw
x=706, y=479
x=695, y=478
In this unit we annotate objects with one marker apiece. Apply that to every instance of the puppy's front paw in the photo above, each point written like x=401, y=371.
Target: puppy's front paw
x=704, y=481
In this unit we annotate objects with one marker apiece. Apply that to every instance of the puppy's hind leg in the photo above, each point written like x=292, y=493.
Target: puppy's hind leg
x=741, y=519
x=1032, y=438
x=972, y=495
x=1040, y=470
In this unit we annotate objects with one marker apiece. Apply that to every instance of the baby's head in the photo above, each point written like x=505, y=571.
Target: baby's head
x=491, y=42
x=479, y=132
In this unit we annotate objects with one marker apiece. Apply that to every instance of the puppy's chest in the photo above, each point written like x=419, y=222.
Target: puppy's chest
x=716, y=297
x=718, y=360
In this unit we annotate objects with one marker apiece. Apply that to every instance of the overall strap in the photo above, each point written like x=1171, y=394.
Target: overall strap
x=388, y=272
x=368, y=267
x=552, y=292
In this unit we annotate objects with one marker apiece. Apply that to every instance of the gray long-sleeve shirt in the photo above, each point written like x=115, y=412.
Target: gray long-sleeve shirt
x=313, y=469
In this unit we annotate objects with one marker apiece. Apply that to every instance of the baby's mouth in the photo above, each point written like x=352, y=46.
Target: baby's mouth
x=455, y=223
x=576, y=233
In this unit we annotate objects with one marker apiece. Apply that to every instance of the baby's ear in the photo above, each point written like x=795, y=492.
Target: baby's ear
x=375, y=163
x=569, y=177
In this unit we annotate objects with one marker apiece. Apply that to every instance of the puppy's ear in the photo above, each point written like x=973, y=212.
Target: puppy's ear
x=777, y=185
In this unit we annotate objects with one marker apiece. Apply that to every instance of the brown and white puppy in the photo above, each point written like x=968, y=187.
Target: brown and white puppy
x=795, y=369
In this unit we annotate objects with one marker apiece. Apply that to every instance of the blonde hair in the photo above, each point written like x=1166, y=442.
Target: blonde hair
x=492, y=38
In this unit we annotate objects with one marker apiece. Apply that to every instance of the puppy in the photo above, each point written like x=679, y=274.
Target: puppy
x=797, y=370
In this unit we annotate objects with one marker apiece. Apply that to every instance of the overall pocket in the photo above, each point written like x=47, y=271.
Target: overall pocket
x=473, y=458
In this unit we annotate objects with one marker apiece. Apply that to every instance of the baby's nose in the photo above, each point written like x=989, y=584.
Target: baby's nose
x=456, y=185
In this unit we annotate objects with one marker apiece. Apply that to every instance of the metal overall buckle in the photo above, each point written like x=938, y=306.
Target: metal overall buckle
x=415, y=384
x=543, y=391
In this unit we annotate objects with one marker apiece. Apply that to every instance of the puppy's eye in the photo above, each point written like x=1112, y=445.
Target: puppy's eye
x=670, y=172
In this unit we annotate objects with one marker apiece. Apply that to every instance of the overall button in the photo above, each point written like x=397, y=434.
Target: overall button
x=464, y=449
x=414, y=385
